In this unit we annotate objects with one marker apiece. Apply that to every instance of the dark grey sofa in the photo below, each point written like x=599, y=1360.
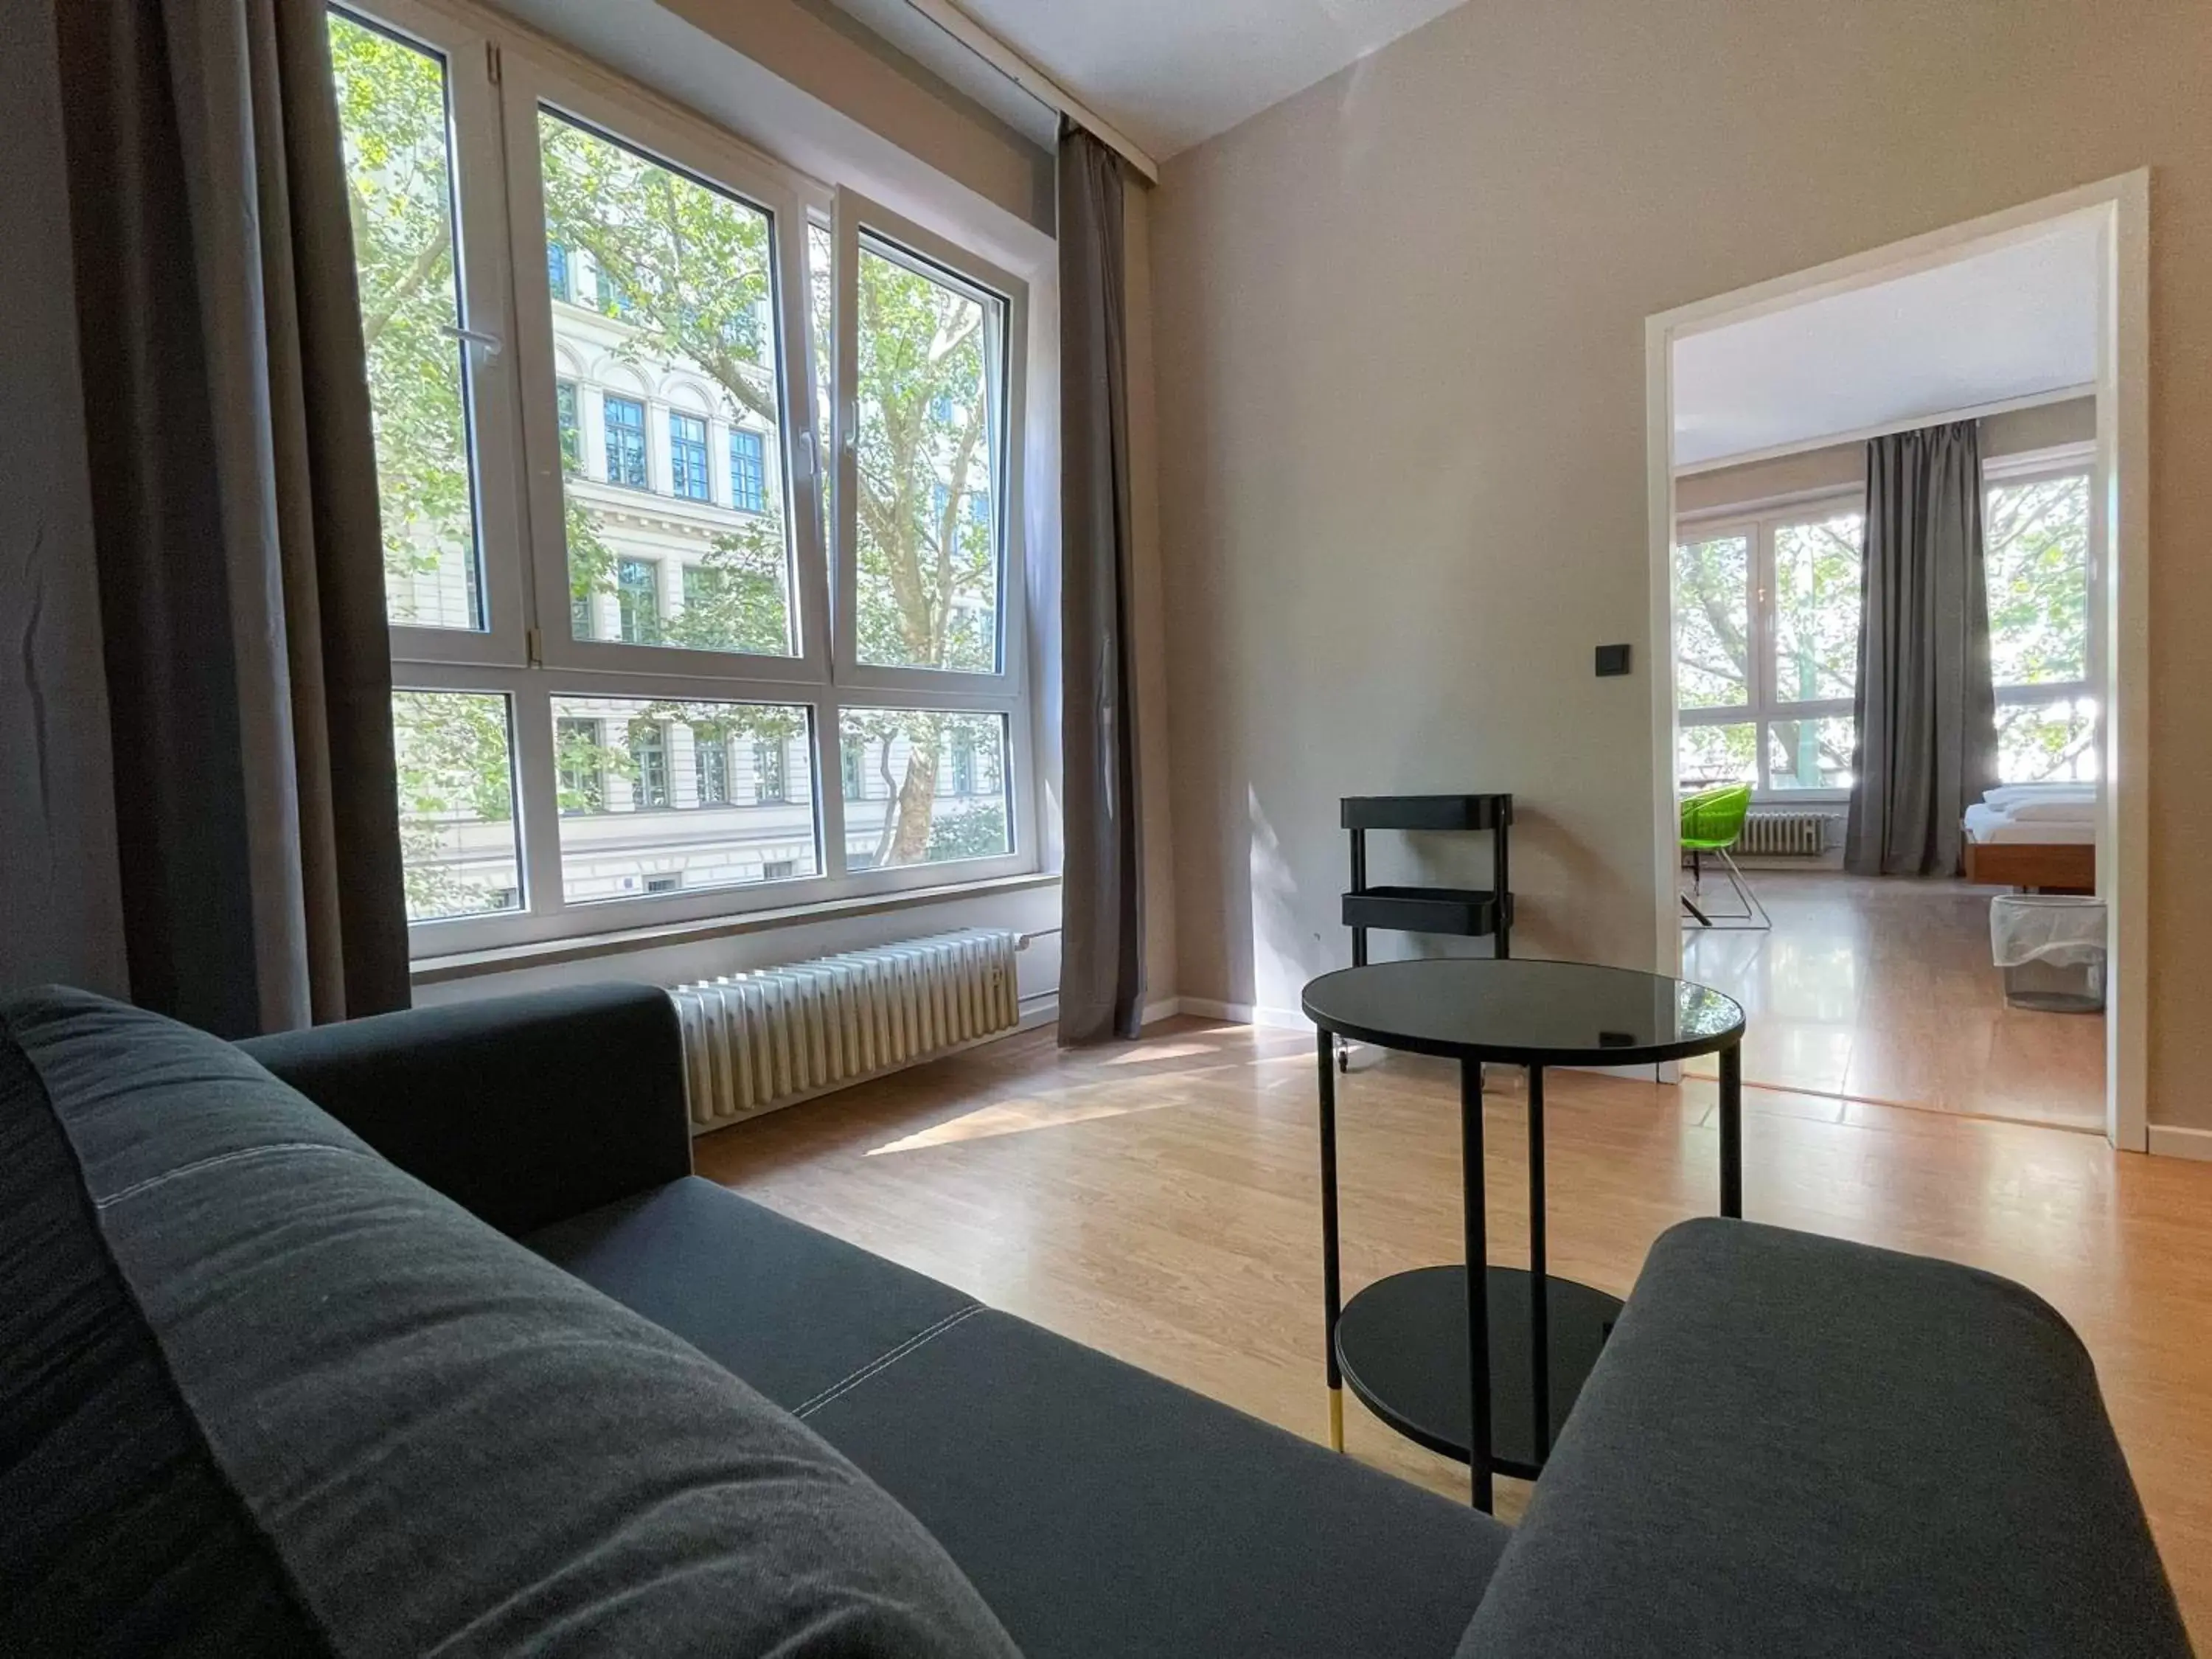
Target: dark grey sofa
x=1792, y=1445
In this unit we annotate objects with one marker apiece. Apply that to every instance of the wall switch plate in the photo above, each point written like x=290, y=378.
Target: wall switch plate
x=1612, y=659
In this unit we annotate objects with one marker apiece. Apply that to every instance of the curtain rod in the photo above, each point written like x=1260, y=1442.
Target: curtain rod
x=1033, y=80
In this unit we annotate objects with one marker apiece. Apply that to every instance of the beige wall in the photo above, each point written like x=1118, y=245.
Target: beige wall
x=1401, y=340
x=1838, y=466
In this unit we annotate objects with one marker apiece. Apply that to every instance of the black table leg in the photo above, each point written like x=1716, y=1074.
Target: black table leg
x=1540, y=1298
x=1473, y=1201
x=1331, y=1294
x=1732, y=1130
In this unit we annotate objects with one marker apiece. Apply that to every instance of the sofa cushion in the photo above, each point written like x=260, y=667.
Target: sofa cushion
x=349, y=1415
x=1793, y=1444
x=791, y=1311
x=1102, y=1510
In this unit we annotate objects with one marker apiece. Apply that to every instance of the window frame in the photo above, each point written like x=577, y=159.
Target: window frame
x=1758, y=523
x=853, y=217
x=496, y=79
x=483, y=289
x=715, y=159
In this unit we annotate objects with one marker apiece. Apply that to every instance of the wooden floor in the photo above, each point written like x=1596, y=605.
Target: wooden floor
x=1881, y=989
x=1159, y=1200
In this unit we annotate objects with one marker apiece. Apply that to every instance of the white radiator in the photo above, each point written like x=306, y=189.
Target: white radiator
x=756, y=1040
x=1802, y=833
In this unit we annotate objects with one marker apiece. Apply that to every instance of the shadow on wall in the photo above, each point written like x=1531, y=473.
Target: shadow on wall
x=1283, y=951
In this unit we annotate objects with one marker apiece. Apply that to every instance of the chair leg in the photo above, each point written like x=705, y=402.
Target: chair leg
x=1755, y=916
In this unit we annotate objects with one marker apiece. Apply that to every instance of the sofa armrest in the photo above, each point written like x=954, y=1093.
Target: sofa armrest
x=1796, y=1445
x=524, y=1109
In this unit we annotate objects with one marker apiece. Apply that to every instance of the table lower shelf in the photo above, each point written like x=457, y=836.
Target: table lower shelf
x=1401, y=1343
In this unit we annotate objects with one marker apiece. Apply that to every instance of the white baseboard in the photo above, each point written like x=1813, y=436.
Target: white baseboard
x=2171, y=1140
x=1165, y=1008
x=1245, y=1013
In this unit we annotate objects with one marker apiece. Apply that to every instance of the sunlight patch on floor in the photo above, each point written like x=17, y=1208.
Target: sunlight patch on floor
x=1151, y=1051
x=1013, y=1117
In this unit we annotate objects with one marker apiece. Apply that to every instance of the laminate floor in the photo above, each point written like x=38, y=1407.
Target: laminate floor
x=1882, y=990
x=1159, y=1200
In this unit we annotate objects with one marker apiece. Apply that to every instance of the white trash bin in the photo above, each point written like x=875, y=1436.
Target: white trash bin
x=2052, y=949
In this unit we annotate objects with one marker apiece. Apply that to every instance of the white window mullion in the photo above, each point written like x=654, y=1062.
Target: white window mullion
x=537, y=802
x=830, y=787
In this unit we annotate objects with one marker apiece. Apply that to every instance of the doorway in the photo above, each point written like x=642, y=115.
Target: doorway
x=2027, y=331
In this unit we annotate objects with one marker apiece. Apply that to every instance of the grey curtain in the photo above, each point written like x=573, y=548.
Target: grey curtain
x=1101, y=980
x=234, y=512
x=1927, y=720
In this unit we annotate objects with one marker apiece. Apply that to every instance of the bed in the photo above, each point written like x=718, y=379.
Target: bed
x=2040, y=838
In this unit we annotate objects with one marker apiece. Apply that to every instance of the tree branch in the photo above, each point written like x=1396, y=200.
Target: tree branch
x=426, y=261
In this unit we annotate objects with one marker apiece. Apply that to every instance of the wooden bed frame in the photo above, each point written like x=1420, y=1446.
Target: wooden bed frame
x=2047, y=867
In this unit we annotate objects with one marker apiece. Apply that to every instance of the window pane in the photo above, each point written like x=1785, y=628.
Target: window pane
x=456, y=760
x=674, y=289
x=687, y=457
x=392, y=113
x=1811, y=754
x=1712, y=623
x=647, y=801
x=1716, y=753
x=637, y=601
x=926, y=442
x=932, y=787
x=1816, y=608
x=2048, y=742
x=2037, y=537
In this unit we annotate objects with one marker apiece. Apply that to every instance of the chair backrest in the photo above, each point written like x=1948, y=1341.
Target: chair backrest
x=1714, y=818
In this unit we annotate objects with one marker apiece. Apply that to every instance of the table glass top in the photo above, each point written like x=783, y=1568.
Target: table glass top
x=1550, y=1008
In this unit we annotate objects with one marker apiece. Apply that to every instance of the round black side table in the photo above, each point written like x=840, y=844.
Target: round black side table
x=1407, y=1344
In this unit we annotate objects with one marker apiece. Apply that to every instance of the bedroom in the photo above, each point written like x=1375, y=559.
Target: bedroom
x=1888, y=796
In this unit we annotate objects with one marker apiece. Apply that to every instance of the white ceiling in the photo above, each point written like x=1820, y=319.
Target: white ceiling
x=1171, y=73
x=2015, y=322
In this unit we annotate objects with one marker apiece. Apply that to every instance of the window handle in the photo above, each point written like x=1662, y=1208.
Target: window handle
x=476, y=336
x=802, y=454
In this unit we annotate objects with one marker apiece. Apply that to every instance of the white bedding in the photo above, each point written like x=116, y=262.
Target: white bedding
x=2008, y=795
x=2049, y=812
x=1986, y=824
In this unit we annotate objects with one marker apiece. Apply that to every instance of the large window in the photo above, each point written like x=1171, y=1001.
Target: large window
x=1766, y=629
x=574, y=299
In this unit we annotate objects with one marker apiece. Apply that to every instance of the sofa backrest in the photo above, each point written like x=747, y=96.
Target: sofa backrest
x=262, y=1392
x=523, y=1109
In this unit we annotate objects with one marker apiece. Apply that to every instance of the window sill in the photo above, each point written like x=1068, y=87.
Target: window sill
x=471, y=964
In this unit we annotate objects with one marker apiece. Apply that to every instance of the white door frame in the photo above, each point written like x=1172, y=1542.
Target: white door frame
x=2120, y=209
